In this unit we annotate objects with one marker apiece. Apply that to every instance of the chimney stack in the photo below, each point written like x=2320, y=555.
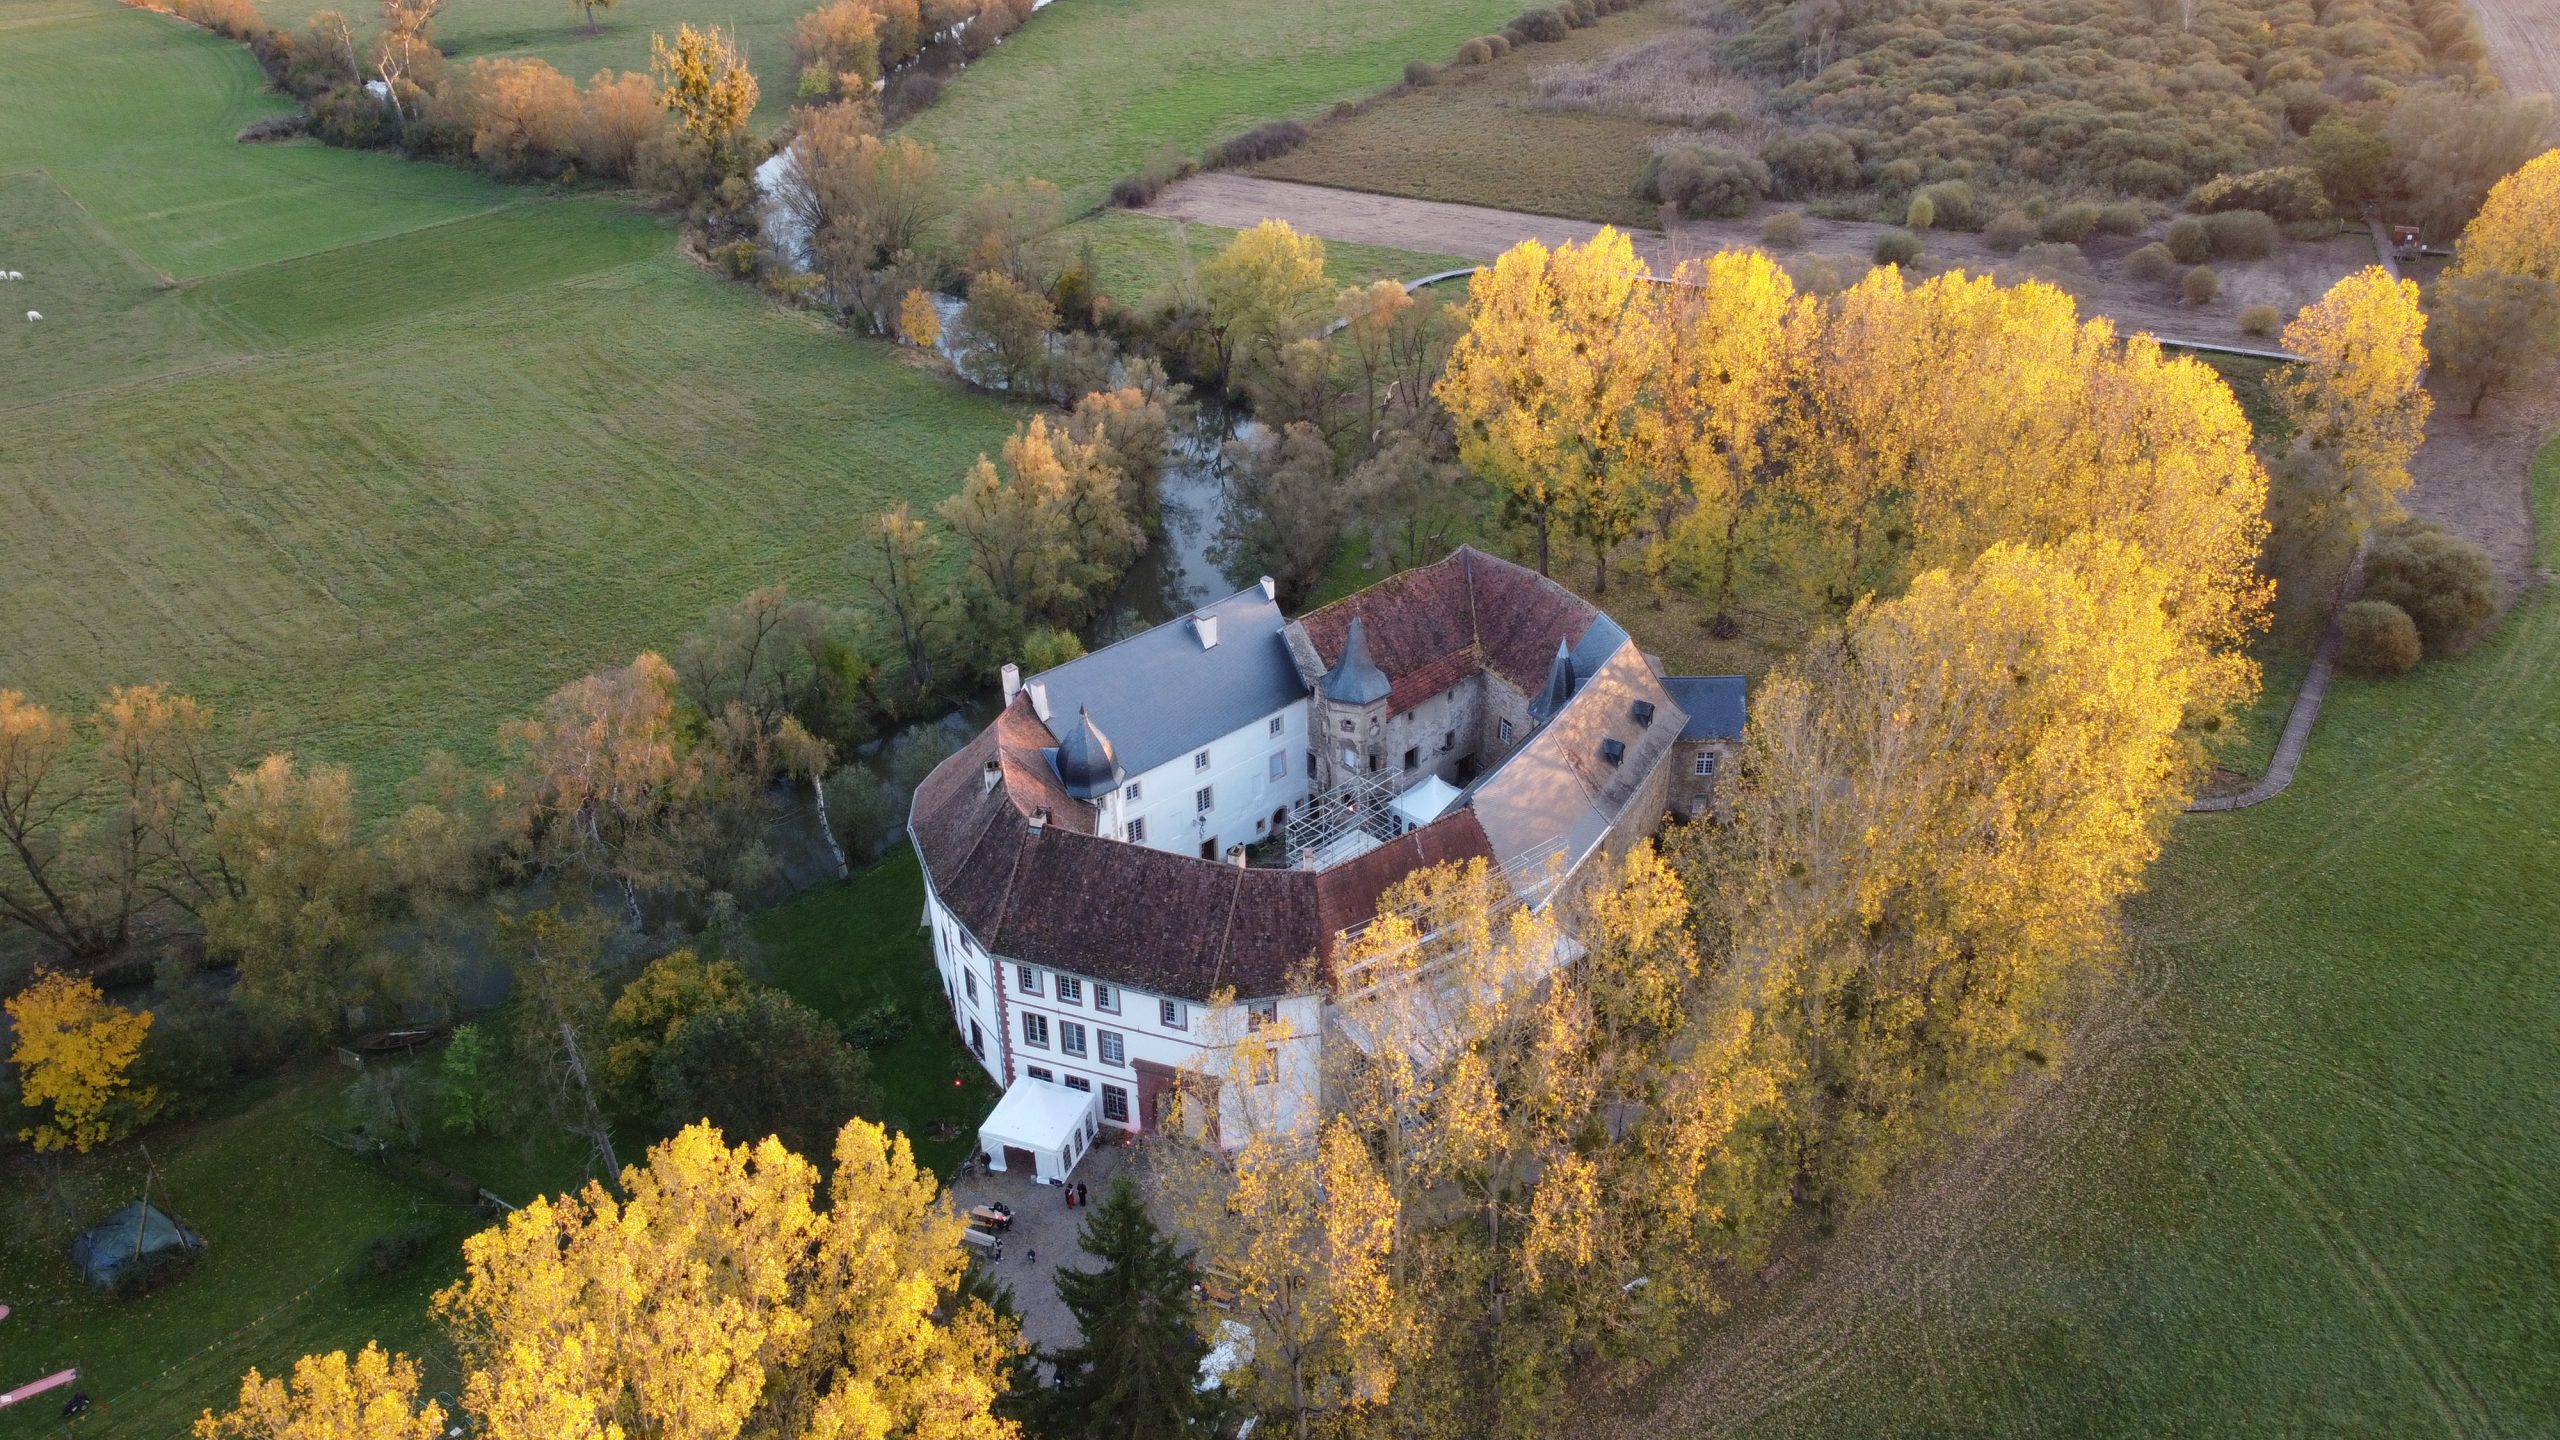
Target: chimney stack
x=1039, y=700
x=1012, y=675
x=1270, y=588
x=1039, y=819
x=1207, y=625
x=991, y=777
x=1235, y=856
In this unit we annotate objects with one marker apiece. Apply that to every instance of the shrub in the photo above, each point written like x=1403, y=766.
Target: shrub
x=1421, y=72
x=1703, y=183
x=2009, y=231
x=2240, y=234
x=388, y=1255
x=1920, y=214
x=2260, y=319
x=1952, y=203
x=2445, y=583
x=1784, y=229
x=2121, y=218
x=2200, y=286
x=2187, y=242
x=2070, y=224
x=1578, y=14
x=1167, y=165
x=2054, y=261
x=1262, y=142
x=2287, y=192
x=1810, y=162
x=1815, y=275
x=2152, y=263
x=1537, y=27
x=272, y=127
x=1484, y=49
x=1897, y=247
x=2376, y=637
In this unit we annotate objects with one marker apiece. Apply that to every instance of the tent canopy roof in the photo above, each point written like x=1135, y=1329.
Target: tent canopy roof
x=1425, y=802
x=1037, y=1116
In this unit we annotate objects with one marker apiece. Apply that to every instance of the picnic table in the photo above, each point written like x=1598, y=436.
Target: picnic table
x=993, y=1217
x=980, y=1238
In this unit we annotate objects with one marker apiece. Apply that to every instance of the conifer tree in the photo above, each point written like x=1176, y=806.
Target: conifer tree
x=1135, y=1374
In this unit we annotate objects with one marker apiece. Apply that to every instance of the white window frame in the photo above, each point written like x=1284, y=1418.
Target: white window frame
x=1130, y=794
x=1041, y=1072
x=1206, y=800
x=1035, y=1029
x=1115, y=1097
x=1029, y=978
x=1070, y=990
x=1078, y=1082
x=1279, y=764
x=1200, y=761
x=1704, y=765
x=1279, y=724
x=1070, y=1038
x=969, y=981
x=1110, y=1047
x=1171, y=1015
x=1503, y=732
x=1136, y=830
x=1105, y=999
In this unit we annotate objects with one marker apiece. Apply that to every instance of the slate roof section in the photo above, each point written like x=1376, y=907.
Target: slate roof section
x=1159, y=695
x=1355, y=679
x=1086, y=763
x=1717, y=705
x=1556, y=796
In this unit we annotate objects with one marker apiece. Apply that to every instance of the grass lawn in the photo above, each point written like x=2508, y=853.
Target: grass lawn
x=1087, y=90
x=1473, y=138
x=132, y=114
x=387, y=490
x=2314, y=1188
x=847, y=948
x=285, y=1218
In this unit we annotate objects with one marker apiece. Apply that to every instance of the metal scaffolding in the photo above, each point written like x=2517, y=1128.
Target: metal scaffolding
x=1346, y=822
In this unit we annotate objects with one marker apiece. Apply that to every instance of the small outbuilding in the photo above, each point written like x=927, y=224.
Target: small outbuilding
x=132, y=1242
x=1040, y=1127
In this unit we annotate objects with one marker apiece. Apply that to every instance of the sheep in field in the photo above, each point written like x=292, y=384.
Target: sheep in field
x=34, y=315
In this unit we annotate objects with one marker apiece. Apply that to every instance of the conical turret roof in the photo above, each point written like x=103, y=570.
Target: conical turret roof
x=1087, y=767
x=1355, y=679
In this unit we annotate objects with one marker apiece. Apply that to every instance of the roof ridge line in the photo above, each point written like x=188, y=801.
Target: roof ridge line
x=1150, y=630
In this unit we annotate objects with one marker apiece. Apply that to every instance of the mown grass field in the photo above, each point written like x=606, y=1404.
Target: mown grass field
x=2305, y=1181
x=387, y=480
x=1143, y=256
x=1475, y=139
x=1087, y=90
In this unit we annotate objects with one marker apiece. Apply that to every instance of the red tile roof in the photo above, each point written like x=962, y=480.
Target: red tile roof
x=1431, y=627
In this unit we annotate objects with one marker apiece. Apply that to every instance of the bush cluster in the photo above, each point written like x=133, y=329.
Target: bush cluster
x=1784, y=229
x=2260, y=320
x=1897, y=247
x=1166, y=166
x=1810, y=162
x=1262, y=142
x=2444, y=583
x=1538, y=27
x=2070, y=224
x=1484, y=49
x=2286, y=192
x=2010, y=231
x=1702, y=182
x=2200, y=286
x=2092, y=95
x=2240, y=234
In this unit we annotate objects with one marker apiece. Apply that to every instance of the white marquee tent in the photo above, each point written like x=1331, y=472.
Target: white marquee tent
x=1051, y=1123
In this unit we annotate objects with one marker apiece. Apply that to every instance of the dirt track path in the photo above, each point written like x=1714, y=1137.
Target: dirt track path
x=2524, y=43
x=2291, y=279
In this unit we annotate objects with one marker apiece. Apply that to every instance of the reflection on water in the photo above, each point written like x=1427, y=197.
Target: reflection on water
x=1179, y=572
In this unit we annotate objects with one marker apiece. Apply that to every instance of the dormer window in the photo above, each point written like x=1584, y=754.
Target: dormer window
x=1644, y=712
x=1613, y=752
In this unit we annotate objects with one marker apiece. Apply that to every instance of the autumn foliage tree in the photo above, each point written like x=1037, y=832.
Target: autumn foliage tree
x=721, y=1300
x=2356, y=398
x=2517, y=232
x=74, y=1053
x=330, y=1397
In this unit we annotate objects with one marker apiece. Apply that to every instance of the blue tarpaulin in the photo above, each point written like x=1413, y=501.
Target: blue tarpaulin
x=140, y=1232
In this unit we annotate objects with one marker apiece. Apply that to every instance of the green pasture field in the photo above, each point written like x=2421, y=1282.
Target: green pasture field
x=2308, y=1184
x=386, y=483
x=1474, y=139
x=1089, y=89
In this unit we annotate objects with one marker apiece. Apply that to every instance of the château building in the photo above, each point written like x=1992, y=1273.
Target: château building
x=1214, y=804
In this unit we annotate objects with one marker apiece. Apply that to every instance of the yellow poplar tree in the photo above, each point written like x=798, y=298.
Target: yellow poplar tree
x=1546, y=382
x=2357, y=396
x=919, y=320
x=73, y=1052
x=2517, y=231
x=1266, y=289
x=372, y=1397
x=705, y=82
x=1735, y=336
